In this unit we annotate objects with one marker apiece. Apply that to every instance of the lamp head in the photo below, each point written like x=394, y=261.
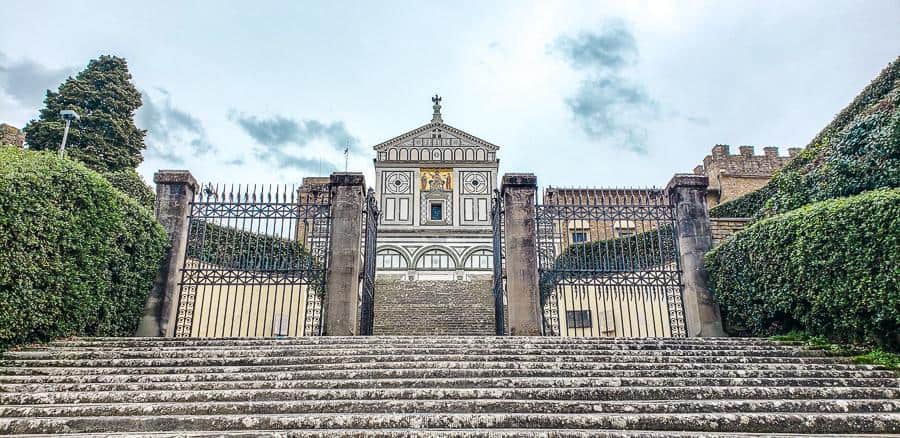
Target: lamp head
x=68, y=115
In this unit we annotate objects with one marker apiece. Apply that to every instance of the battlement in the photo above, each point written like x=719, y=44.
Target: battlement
x=10, y=135
x=745, y=162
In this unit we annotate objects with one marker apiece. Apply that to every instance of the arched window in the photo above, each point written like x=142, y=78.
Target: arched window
x=390, y=259
x=482, y=259
x=435, y=259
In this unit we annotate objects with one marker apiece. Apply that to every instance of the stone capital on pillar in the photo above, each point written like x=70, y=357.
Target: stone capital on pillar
x=175, y=177
x=519, y=180
x=348, y=179
x=175, y=189
x=519, y=192
x=341, y=305
x=687, y=194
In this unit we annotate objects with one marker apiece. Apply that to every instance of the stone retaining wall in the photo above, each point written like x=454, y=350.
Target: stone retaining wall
x=724, y=227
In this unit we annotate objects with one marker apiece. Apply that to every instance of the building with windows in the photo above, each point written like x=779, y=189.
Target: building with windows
x=434, y=186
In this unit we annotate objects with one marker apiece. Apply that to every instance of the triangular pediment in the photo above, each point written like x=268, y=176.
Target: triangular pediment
x=436, y=134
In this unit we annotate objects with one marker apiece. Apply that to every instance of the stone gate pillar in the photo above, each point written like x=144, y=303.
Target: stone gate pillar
x=345, y=255
x=175, y=189
x=519, y=191
x=687, y=193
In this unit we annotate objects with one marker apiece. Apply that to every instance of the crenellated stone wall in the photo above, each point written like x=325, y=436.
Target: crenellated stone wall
x=10, y=135
x=733, y=175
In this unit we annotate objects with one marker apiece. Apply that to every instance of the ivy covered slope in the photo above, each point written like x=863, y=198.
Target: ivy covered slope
x=830, y=268
x=858, y=151
x=79, y=257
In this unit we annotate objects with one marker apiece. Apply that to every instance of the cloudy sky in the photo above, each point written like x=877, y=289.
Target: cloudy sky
x=580, y=93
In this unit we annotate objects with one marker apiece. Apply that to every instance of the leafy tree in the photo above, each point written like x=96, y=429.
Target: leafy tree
x=105, y=138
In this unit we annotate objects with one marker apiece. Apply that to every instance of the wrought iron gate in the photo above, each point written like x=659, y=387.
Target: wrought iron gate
x=255, y=262
x=608, y=263
x=367, y=289
x=499, y=286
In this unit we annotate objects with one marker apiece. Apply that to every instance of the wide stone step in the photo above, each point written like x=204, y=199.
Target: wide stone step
x=712, y=422
x=458, y=382
x=645, y=393
x=454, y=406
x=407, y=345
x=363, y=357
x=398, y=351
x=434, y=364
x=118, y=376
x=464, y=433
x=413, y=340
x=441, y=386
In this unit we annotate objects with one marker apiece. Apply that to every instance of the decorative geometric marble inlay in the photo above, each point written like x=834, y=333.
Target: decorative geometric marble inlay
x=397, y=182
x=475, y=183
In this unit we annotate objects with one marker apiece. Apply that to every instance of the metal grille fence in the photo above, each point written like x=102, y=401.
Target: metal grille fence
x=608, y=263
x=367, y=289
x=255, y=262
x=499, y=286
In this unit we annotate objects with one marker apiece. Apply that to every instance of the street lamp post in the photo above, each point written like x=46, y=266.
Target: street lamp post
x=68, y=116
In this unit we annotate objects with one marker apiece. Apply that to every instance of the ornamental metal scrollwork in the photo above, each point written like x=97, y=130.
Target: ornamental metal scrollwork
x=598, y=278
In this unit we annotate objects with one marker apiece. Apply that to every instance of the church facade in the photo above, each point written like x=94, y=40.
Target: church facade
x=434, y=185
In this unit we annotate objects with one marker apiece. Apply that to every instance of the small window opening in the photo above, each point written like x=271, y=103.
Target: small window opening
x=437, y=211
x=578, y=319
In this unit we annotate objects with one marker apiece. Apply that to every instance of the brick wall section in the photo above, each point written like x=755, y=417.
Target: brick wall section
x=415, y=308
x=724, y=227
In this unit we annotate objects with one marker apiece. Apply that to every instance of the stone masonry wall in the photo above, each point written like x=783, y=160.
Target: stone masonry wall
x=724, y=227
x=415, y=308
x=10, y=135
x=734, y=175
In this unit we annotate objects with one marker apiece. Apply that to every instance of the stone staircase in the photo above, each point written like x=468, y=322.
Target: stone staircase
x=441, y=386
x=428, y=307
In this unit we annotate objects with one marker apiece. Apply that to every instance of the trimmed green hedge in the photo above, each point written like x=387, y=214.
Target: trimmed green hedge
x=831, y=268
x=240, y=249
x=130, y=183
x=79, y=257
x=247, y=251
x=637, y=252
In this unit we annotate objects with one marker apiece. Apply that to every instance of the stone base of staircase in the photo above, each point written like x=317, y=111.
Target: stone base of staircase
x=442, y=386
x=443, y=308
